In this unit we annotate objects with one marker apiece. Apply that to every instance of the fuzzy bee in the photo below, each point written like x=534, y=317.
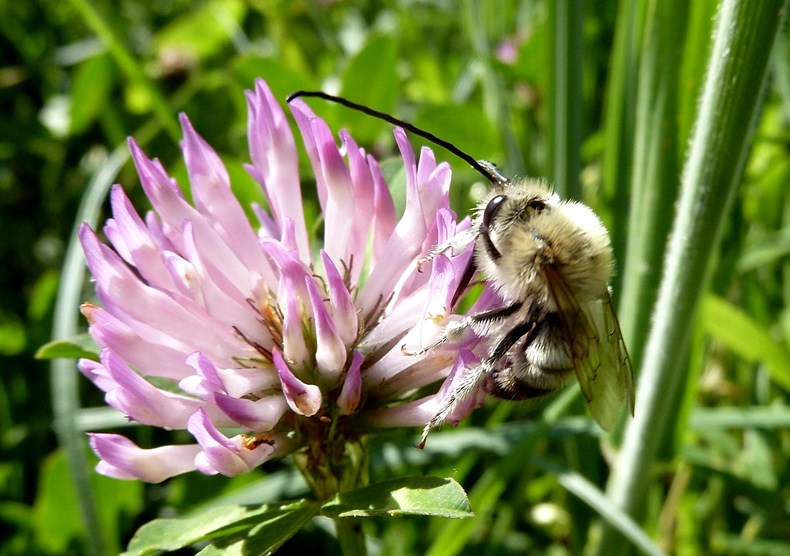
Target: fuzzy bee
x=550, y=260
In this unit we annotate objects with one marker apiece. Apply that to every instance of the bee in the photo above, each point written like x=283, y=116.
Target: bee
x=550, y=260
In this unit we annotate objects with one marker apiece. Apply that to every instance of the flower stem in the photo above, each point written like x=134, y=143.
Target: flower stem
x=350, y=536
x=335, y=463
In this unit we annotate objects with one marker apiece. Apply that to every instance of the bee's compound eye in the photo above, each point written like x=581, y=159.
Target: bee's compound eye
x=491, y=209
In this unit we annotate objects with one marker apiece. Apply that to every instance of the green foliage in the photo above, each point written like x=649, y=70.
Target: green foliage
x=613, y=91
x=402, y=496
x=238, y=529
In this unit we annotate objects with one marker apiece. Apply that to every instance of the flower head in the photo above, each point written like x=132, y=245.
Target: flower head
x=254, y=338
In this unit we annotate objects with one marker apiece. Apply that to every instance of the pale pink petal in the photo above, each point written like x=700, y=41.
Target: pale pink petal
x=304, y=399
x=350, y=395
x=344, y=313
x=222, y=454
x=332, y=176
x=123, y=459
x=275, y=161
x=362, y=183
x=384, y=219
x=330, y=352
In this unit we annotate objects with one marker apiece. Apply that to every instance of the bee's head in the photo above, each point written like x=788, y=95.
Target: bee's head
x=511, y=207
x=523, y=227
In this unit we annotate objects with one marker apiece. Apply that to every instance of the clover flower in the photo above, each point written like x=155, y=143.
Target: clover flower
x=253, y=338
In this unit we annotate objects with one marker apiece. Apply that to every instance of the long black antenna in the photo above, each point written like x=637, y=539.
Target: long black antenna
x=485, y=168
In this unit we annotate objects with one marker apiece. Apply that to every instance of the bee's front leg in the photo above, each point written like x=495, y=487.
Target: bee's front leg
x=479, y=323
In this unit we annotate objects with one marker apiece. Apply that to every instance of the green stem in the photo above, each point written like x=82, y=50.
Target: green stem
x=330, y=464
x=567, y=17
x=63, y=378
x=350, y=536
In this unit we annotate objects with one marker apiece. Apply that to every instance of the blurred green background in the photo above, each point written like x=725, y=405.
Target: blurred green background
x=599, y=97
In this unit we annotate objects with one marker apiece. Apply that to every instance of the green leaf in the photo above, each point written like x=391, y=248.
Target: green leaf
x=772, y=417
x=241, y=527
x=203, y=30
x=744, y=336
x=80, y=346
x=369, y=79
x=465, y=126
x=57, y=529
x=402, y=496
x=13, y=338
x=266, y=537
x=596, y=499
x=90, y=90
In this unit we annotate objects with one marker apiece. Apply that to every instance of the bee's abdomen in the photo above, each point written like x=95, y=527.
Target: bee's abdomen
x=537, y=366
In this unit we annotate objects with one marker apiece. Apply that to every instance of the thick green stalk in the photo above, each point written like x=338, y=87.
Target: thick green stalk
x=729, y=105
x=332, y=464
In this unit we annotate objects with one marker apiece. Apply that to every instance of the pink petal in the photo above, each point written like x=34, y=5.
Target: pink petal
x=221, y=454
x=351, y=393
x=330, y=353
x=154, y=355
x=151, y=309
x=255, y=415
x=142, y=401
x=214, y=198
x=304, y=399
x=364, y=216
x=132, y=239
x=236, y=260
x=275, y=161
x=332, y=177
x=123, y=459
x=344, y=313
x=403, y=246
x=419, y=412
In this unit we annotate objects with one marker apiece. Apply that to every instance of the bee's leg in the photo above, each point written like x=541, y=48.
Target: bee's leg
x=456, y=244
x=478, y=322
x=473, y=378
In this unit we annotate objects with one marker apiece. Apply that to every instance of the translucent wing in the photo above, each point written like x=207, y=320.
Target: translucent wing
x=600, y=359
